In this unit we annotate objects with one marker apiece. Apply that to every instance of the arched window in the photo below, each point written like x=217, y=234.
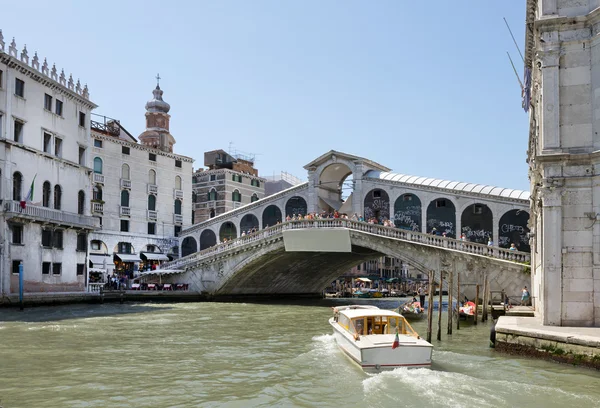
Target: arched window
x=46, y=194
x=125, y=171
x=177, y=183
x=97, y=165
x=81, y=202
x=236, y=196
x=178, y=207
x=255, y=183
x=97, y=193
x=124, y=198
x=151, y=177
x=194, y=197
x=57, y=197
x=17, y=184
x=152, y=202
x=212, y=195
x=253, y=198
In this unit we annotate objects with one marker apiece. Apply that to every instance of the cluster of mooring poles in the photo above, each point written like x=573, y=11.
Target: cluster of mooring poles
x=454, y=310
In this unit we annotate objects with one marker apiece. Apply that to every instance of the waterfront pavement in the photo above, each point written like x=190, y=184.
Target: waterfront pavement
x=532, y=327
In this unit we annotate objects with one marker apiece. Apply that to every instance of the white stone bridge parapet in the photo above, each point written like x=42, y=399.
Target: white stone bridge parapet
x=264, y=264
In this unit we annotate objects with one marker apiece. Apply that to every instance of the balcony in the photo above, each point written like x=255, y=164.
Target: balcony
x=152, y=189
x=97, y=208
x=178, y=218
x=126, y=183
x=178, y=194
x=152, y=215
x=98, y=178
x=47, y=215
x=124, y=211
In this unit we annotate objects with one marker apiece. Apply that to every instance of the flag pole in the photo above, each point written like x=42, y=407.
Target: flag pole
x=513, y=38
x=515, y=70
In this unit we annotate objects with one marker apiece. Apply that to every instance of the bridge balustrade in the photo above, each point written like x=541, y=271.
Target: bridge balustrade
x=375, y=229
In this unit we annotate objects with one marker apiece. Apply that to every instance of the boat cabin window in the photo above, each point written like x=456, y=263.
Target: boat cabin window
x=374, y=325
x=343, y=321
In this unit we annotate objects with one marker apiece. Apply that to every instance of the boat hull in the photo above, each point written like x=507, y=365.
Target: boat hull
x=379, y=355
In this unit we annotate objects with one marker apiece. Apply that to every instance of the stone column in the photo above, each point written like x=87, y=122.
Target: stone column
x=424, y=206
x=550, y=102
x=312, y=197
x=458, y=221
x=552, y=238
x=357, y=191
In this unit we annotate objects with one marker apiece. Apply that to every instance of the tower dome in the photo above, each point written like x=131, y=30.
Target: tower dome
x=157, y=104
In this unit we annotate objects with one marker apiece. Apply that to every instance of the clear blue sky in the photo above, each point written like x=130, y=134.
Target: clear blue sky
x=424, y=88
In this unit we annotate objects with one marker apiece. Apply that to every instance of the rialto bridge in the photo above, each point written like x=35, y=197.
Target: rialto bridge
x=302, y=257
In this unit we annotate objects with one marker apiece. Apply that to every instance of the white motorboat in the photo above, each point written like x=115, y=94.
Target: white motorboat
x=378, y=339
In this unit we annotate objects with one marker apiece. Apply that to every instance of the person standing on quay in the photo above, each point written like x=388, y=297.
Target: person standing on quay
x=421, y=293
x=525, y=297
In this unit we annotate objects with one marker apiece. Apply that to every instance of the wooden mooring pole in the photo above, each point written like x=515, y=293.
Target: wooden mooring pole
x=486, y=298
x=430, y=307
x=476, y=304
x=439, y=322
x=450, y=308
x=458, y=299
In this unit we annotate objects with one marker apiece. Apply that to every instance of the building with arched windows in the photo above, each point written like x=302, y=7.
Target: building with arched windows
x=44, y=172
x=230, y=182
x=141, y=192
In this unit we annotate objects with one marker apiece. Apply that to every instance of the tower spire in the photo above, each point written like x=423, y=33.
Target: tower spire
x=157, y=80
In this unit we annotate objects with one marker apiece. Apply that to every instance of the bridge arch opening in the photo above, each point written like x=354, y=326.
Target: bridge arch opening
x=296, y=206
x=207, y=239
x=227, y=231
x=377, y=205
x=188, y=246
x=249, y=222
x=331, y=188
x=441, y=215
x=271, y=216
x=407, y=212
x=477, y=223
x=513, y=229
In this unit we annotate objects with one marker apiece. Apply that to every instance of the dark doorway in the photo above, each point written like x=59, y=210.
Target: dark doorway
x=377, y=205
x=227, y=231
x=441, y=215
x=207, y=239
x=188, y=246
x=295, y=206
x=407, y=212
x=249, y=221
x=271, y=216
x=513, y=229
x=477, y=223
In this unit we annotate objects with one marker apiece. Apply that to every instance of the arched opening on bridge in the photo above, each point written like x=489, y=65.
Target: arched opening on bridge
x=295, y=206
x=207, y=239
x=377, y=205
x=407, y=212
x=477, y=223
x=441, y=215
x=248, y=222
x=271, y=216
x=513, y=229
x=331, y=189
x=188, y=246
x=227, y=231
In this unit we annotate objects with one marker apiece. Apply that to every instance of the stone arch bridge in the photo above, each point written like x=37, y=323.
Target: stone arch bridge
x=301, y=257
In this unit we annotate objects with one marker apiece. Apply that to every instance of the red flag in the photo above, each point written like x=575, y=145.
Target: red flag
x=396, y=341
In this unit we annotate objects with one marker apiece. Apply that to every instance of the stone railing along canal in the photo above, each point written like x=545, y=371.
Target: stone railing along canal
x=379, y=230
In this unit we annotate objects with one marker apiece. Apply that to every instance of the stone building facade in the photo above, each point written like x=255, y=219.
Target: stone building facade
x=229, y=183
x=45, y=149
x=141, y=193
x=562, y=88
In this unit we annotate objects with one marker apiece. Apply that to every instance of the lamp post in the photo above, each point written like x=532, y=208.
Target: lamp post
x=21, y=285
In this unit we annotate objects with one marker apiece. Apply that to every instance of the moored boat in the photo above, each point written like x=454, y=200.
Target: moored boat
x=378, y=339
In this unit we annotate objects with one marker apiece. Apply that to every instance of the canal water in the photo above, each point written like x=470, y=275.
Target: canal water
x=252, y=355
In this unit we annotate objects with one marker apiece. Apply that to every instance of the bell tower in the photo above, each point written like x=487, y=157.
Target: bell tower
x=157, y=133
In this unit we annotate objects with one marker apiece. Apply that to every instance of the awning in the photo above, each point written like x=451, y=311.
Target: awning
x=100, y=261
x=363, y=279
x=162, y=272
x=128, y=257
x=150, y=256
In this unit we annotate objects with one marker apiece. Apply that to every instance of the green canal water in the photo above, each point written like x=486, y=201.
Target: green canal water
x=252, y=355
